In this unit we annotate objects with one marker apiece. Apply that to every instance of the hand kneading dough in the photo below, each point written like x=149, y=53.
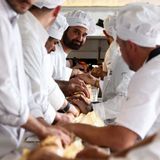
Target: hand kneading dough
x=48, y=147
x=91, y=118
x=52, y=145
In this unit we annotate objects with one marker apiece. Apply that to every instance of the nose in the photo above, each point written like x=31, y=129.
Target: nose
x=53, y=48
x=80, y=38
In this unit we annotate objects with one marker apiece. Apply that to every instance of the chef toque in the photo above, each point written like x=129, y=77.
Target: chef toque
x=50, y=4
x=58, y=27
x=80, y=18
x=110, y=25
x=139, y=23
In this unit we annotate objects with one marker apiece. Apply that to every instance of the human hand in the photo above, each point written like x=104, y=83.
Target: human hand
x=76, y=72
x=45, y=153
x=63, y=118
x=77, y=85
x=87, y=78
x=98, y=72
x=74, y=110
x=60, y=132
x=82, y=66
x=82, y=102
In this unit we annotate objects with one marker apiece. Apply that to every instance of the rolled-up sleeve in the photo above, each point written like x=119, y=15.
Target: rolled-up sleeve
x=67, y=73
x=140, y=111
x=111, y=107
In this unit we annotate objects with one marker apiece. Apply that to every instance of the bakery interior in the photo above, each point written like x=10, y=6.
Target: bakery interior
x=80, y=112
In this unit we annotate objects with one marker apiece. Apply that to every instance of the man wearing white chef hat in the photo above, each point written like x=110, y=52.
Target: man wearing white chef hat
x=80, y=25
x=138, y=31
x=14, y=106
x=115, y=84
x=56, y=32
x=47, y=96
x=55, y=35
x=49, y=4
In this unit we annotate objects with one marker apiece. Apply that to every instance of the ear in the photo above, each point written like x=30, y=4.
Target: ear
x=56, y=11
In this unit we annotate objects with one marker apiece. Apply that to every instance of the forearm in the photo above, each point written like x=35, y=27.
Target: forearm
x=53, y=157
x=35, y=126
x=43, y=122
x=63, y=86
x=146, y=141
x=86, y=132
x=114, y=137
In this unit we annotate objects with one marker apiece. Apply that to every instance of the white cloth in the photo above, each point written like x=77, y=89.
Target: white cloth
x=15, y=155
x=147, y=152
x=48, y=3
x=115, y=86
x=141, y=110
x=58, y=27
x=58, y=60
x=139, y=23
x=14, y=110
x=37, y=68
x=81, y=18
x=112, y=52
x=110, y=25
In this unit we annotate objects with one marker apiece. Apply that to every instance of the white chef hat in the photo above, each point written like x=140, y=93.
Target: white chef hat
x=80, y=18
x=58, y=27
x=110, y=25
x=50, y=4
x=139, y=23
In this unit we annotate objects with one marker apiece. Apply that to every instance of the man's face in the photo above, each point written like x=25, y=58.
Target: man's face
x=127, y=54
x=21, y=6
x=74, y=37
x=108, y=37
x=51, y=44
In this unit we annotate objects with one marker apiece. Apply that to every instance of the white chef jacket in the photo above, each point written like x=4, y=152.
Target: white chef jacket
x=14, y=110
x=60, y=70
x=115, y=85
x=110, y=55
x=38, y=70
x=141, y=109
x=14, y=155
x=147, y=152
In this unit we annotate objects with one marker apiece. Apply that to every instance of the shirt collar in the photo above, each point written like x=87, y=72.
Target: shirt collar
x=153, y=54
x=12, y=15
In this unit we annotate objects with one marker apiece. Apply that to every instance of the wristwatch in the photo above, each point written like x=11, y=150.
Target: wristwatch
x=65, y=109
x=90, y=107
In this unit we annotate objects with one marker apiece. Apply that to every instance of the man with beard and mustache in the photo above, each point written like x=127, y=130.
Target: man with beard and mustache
x=80, y=24
x=56, y=32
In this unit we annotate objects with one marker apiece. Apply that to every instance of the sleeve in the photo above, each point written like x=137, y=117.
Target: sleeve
x=67, y=73
x=56, y=96
x=141, y=108
x=111, y=107
x=39, y=105
x=60, y=71
x=33, y=73
x=13, y=111
x=101, y=84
